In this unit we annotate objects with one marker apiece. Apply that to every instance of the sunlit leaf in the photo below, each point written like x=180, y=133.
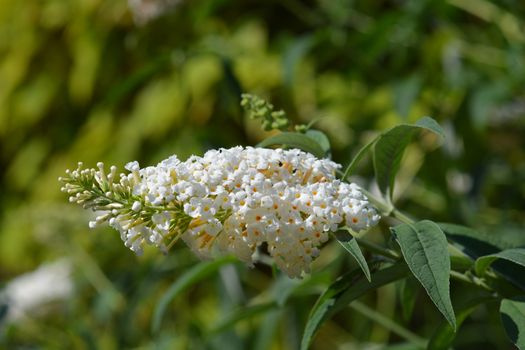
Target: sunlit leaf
x=425, y=249
x=389, y=149
x=321, y=138
x=516, y=255
x=350, y=244
x=355, y=161
x=295, y=140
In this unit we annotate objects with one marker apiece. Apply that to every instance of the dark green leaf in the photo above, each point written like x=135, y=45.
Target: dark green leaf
x=513, y=318
x=516, y=255
x=425, y=249
x=389, y=149
x=321, y=138
x=350, y=244
x=477, y=244
x=189, y=278
x=472, y=242
x=295, y=140
x=342, y=292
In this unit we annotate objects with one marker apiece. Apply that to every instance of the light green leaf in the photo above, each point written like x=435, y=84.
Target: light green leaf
x=295, y=140
x=425, y=249
x=389, y=149
x=321, y=138
x=516, y=255
x=342, y=292
x=513, y=318
x=195, y=274
x=350, y=244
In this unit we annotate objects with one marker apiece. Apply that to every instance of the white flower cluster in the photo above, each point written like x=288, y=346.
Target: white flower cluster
x=234, y=200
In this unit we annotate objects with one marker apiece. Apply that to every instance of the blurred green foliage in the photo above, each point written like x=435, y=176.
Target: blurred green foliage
x=79, y=80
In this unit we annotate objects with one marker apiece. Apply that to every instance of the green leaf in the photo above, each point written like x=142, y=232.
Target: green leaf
x=197, y=273
x=472, y=242
x=516, y=255
x=478, y=244
x=362, y=152
x=295, y=140
x=425, y=249
x=389, y=149
x=321, y=138
x=512, y=313
x=350, y=244
x=342, y=292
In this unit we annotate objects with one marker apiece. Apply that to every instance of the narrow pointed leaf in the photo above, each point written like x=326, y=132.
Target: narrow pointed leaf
x=516, y=255
x=295, y=140
x=355, y=161
x=389, y=149
x=197, y=273
x=513, y=318
x=424, y=247
x=342, y=292
x=350, y=244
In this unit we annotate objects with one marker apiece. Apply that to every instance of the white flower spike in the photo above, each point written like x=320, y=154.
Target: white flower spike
x=230, y=201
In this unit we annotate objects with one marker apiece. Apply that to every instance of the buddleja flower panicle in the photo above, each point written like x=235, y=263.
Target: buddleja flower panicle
x=230, y=201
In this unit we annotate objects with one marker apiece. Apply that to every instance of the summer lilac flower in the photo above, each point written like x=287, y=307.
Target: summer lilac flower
x=230, y=201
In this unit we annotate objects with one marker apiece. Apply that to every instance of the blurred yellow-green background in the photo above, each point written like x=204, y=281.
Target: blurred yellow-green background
x=112, y=81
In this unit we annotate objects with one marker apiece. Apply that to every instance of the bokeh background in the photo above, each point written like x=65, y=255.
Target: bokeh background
x=104, y=80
